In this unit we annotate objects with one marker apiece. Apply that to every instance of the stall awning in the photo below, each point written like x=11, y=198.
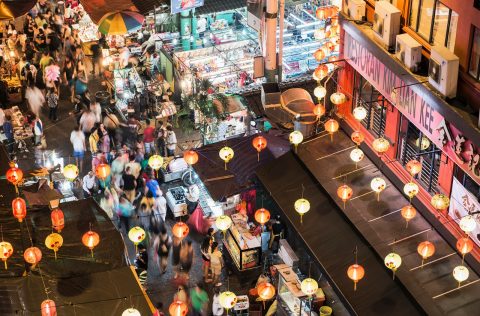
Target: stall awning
x=96, y=9
x=331, y=239
x=212, y=6
x=222, y=183
x=147, y=6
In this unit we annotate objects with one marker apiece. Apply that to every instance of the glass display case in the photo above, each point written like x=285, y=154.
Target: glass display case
x=291, y=299
x=244, y=253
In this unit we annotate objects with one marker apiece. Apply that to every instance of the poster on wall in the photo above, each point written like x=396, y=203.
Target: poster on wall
x=462, y=203
x=183, y=5
x=255, y=13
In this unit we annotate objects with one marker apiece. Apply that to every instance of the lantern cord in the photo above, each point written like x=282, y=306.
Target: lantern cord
x=355, y=253
x=303, y=190
x=43, y=281
x=1, y=231
x=29, y=235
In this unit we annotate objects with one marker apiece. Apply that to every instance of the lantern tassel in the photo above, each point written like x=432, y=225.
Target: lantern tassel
x=393, y=277
x=225, y=165
x=354, y=285
x=16, y=189
x=406, y=225
x=331, y=137
x=422, y=262
x=91, y=251
x=6, y=268
x=258, y=156
x=378, y=197
x=301, y=218
x=55, y=254
x=463, y=257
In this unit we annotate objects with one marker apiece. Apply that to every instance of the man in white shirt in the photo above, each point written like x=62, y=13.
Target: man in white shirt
x=89, y=184
x=87, y=121
x=171, y=141
x=38, y=130
x=77, y=138
x=35, y=99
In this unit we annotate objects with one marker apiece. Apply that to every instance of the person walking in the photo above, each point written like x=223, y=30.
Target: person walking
x=37, y=130
x=77, y=138
x=124, y=212
x=161, y=140
x=149, y=138
x=181, y=295
x=162, y=244
x=217, y=309
x=89, y=181
x=216, y=263
x=199, y=300
x=8, y=131
x=176, y=245
x=186, y=258
x=52, y=101
x=205, y=250
x=171, y=141
x=129, y=184
x=35, y=98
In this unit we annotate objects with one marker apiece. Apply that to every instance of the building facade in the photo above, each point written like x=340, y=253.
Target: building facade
x=402, y=106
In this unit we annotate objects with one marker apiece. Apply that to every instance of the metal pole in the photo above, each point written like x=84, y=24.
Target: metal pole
x=271, y=40
x=280, y=40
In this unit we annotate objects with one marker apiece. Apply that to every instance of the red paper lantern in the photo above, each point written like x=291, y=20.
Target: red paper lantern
x=102, y=171
x=464, y=245
x=48, y=308
x=320, y=72
x=19, y=208
x=14, y=175
x=344, y=192
x=319, y=55
x=408, y=212
x=259, y=143
x=355, y=272
x=262, y=216
x=358, y=137
x=178, y=308
x=266, y=291
x=6, y=250
x=414, y=167
x=426, y=249
x=319, y=110
x=91, y=239
x=32, y=255
x=190, y=157
x=180, y=230
x=58, y=219
x=331, y=126
x=320, y=13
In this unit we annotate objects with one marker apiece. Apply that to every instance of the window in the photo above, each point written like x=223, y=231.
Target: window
x=414, y=145
x=467, y=182
x=375, y=104
x=474, y=64
x=434, y=21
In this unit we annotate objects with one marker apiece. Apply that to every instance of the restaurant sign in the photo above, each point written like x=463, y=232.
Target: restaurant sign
x=412, y=105
x=463, y=203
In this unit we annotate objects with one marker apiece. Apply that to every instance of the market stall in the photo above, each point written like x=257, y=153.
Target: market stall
x=87, y=32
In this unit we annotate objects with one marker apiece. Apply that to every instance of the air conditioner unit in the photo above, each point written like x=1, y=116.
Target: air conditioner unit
x=443, y=71
x=386, y=22
x=355, y=9
x=408, y=51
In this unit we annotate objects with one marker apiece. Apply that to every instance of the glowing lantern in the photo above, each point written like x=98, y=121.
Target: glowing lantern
x=259, y=143
x=180, y=230
x=320, y=13
x=70, y=172
x=131, y=312
x=58, y=219
x=319, y=54
x=464, y=246
x=302, y=206
x=190, y=157
x=320, y=92
x=266, y=291
x=410, y=189
x=425, y=143
x=309, y=286
x=54, y=241
x=333, y=59
x=331, y=126
x=344, y=192
x=408, y=212
x=319, y=35
x=32, y=255
x=226, y=154
x=425, y=249
x=378, y=185
x=14, y=176
x=102, y=171
x=262, y=216
x=156, y=162
x=19, y=208
x=319, y=110
x=136, y=235
x=460, y=274
x=356, y=155
x=338, y=98
x=357, y=137
x=48, y=308
x=393, y=261
x=223, y=222
x=355, y=273
x=440, y=201
x=227, y=300
x=381, y=145
x=359, y=113
x=468, y=224
x=6, y=250
x=414, y=167
x=178, y=308
x=91, y=239
x=320, y=72
x=295, y=137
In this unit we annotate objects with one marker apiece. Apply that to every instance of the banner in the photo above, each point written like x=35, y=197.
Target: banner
x=183, y=5
x=462, y=203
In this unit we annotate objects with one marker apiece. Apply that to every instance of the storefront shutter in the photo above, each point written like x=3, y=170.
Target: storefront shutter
x=375, y=120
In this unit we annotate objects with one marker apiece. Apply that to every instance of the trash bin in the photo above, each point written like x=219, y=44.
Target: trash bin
x=325, y=311
x=103, y=98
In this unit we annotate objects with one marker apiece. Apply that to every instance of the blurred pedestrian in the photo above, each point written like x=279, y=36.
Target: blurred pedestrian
x=186, y=258
x=216, y=263
x=199, y=299
x=161, y=245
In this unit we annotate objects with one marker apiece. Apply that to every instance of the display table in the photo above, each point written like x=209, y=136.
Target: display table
x=243, y=247
x=176, y=201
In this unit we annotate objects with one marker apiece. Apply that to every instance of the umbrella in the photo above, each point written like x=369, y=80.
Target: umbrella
x=120, y=22
x=10, y=9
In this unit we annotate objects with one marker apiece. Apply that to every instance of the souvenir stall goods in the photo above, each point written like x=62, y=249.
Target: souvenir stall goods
x=127, y=83
x=21, y=130
x=243, y=243
x=87, y=32
x=176, y=201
